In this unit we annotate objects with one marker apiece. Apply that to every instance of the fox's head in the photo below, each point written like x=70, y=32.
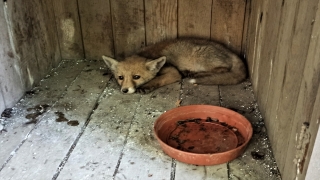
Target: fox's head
x=134, y=71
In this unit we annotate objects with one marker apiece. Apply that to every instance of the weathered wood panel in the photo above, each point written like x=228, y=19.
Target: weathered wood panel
x=282, y=61
x=43, y=37
x=128, y=26
x=252, y=35
x=96, y=28
x=307, y=110
x=68, y=28
x=244, y=45
x=30, y=47
x=21, y=15
x=227, y=22
x=270, y=17
x=290, y=77
x=194, y=18
x=161, y=20
x=137, y=23
x=52, y=34
x=11, y=82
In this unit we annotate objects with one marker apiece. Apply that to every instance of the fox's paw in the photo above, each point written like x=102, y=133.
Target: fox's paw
x=144, y=90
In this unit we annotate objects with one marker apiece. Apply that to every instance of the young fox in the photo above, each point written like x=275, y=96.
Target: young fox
x=202, y=61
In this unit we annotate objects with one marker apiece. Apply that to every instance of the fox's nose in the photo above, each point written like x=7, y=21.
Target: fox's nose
x=125, y=90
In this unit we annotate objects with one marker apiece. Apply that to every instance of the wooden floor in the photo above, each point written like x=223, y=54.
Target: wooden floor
x=77, y=125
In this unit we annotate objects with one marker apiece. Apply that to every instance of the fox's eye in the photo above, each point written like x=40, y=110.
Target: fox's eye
x=136, y=77
x=120, y=77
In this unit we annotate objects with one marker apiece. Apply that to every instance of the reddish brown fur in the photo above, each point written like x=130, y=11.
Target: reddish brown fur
x=206, y=61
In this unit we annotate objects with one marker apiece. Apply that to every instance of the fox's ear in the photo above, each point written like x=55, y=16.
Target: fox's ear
x=110, y=62
x=156, y=64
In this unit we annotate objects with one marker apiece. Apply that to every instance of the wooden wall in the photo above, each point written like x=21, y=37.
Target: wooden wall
x=29, y=47
x=89, y=29
x=283, y=54
x=37, y=34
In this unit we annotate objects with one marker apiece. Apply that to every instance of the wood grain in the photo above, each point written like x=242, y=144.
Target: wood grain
x=294, y=60
x=227, y=22
x=194, y=18
x=128, y=26
x=53, y=40
x=68, y=28
x=308, y=36
x=96, y=28
x=11, y=78
x=30, y=49
x=281, y=56
x=161, y=20
x=23, y=27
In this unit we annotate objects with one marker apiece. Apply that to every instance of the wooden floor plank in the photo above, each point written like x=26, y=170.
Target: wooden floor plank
x=47, y=145
x=52, y=87
x=114, y=138
x=97, y=154
x=142, y=157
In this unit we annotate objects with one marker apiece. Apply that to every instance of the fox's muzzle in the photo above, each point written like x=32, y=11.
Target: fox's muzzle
x=128, y=90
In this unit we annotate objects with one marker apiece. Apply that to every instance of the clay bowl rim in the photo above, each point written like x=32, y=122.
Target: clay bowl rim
x=234, y=152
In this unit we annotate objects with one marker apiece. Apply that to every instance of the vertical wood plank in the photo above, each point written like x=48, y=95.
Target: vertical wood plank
x=309, y=89
x=194, y=18
x=96, y=28
x=69, y=30
x=251, y=41
x=42, y=37
x=31, y=48
x=23, y=38
x=293, y=53
x=51, y=27
x=279, y=67
x=161, y=20
x=268, y=45
x=227, y=22
x=128, y=26
x=244, y=45
x=11, y=78
x=257, y=41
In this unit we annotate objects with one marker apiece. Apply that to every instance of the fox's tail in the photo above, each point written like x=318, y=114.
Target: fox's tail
x=236, y=75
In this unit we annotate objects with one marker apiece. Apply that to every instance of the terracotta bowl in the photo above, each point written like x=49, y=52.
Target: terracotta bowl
x=202, y=134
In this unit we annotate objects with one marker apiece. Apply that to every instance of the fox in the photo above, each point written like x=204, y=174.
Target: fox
x=201, y=61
